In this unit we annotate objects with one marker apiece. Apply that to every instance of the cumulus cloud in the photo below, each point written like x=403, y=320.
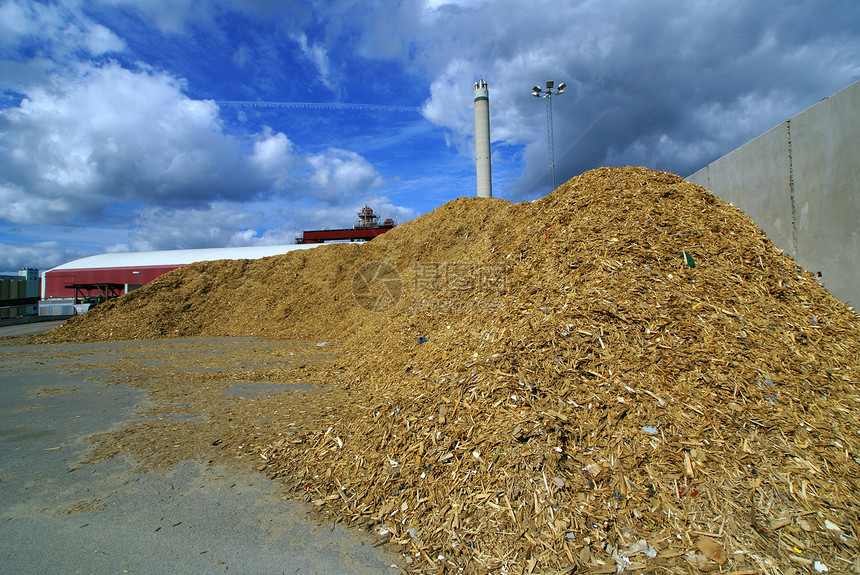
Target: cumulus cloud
x=450, y=104
x=16, y=20
x=215, y=225
x=39, y=255
x=341, y=174
x=275, y=156
x=100, y=40
x=55, y=33
x=108, y=137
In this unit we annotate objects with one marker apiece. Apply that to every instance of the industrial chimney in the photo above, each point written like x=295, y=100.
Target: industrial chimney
x=482, y=140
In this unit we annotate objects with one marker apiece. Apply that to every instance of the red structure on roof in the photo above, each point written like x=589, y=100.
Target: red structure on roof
x=367, y=228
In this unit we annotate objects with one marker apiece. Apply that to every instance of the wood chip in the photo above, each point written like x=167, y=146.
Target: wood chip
x=712, y=550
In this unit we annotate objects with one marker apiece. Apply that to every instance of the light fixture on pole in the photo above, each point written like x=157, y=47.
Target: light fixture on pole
x=548, y=93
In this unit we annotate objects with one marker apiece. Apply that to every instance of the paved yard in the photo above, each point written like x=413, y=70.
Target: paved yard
x=61, y=515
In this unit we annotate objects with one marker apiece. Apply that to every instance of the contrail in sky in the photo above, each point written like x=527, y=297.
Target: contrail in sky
x=318, y=106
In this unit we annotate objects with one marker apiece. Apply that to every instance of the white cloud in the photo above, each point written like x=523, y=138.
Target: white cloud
x=339, y=175
x=317, y=55
x=108, y=136
x=242, y=55
x=61, y=29
x=39, y=255
x=168, y=15
x=451, y=102
x=431, y=5
x=274, y=154
x=16, y=20
x=100, y=40
x=218, y=224
x=175, y=16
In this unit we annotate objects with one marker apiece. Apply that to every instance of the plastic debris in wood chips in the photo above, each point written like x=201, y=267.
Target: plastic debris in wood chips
x=623, y=376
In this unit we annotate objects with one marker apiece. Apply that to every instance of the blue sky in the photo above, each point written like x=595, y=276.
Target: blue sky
x=116, y=134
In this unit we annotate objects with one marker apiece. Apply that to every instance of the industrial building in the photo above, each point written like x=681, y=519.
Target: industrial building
x=19, y=295
x=109, y=275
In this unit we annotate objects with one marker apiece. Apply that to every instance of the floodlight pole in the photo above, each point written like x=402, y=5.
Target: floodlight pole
x=548, y=93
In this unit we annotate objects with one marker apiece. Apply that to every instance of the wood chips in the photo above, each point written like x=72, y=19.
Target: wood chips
x=623, y=376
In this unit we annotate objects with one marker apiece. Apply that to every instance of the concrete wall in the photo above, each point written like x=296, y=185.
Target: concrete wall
x=800, y=182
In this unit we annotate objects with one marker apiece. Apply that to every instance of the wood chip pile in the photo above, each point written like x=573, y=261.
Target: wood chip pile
x=625, y=375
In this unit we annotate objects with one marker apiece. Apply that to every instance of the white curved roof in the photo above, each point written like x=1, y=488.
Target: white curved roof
x=178, y=257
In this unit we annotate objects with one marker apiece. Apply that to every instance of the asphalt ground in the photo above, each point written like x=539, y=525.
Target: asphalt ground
x=28, y=328
x=59, y=515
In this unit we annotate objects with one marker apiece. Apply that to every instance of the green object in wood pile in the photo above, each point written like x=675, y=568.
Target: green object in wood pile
x=688, y=259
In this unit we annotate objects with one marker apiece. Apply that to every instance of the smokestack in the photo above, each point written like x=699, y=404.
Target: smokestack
x=482, y=140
